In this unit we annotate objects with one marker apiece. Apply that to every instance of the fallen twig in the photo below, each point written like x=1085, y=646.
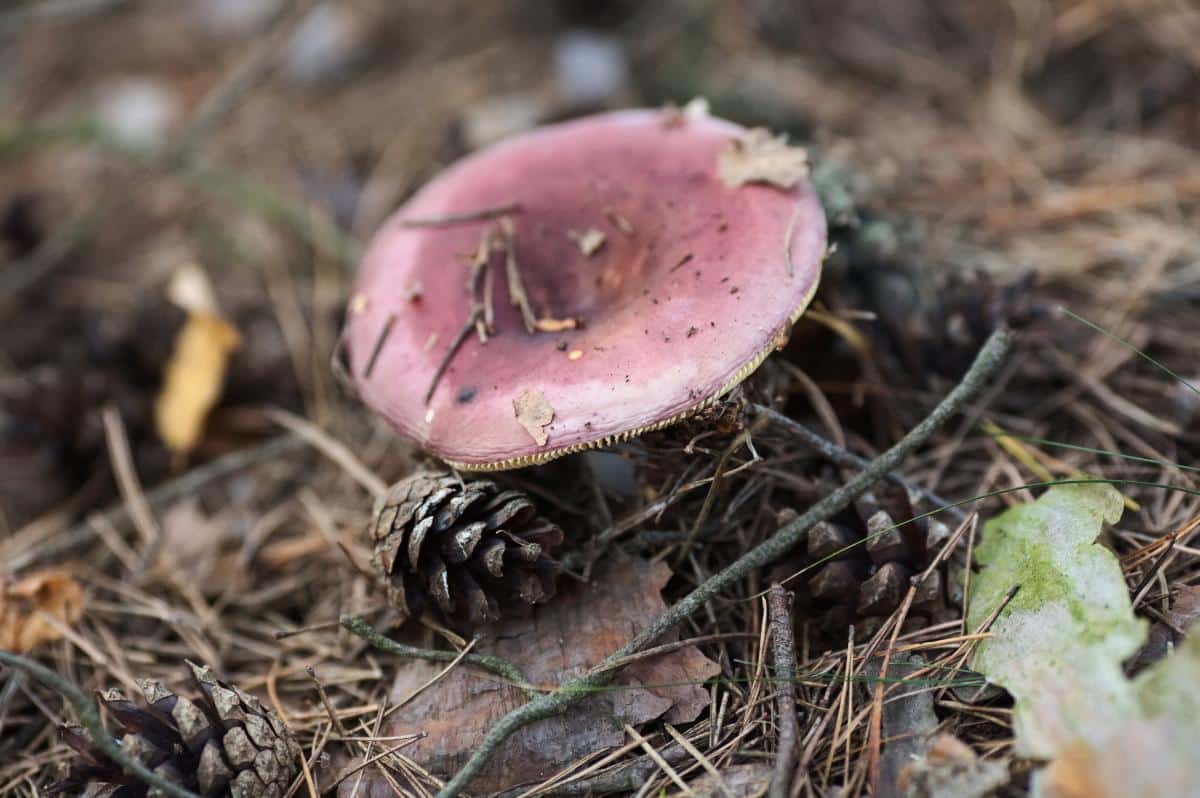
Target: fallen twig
x=844, y=457
x=89, y=718
x=785, y=539
x=783, y=650
x=498, y=665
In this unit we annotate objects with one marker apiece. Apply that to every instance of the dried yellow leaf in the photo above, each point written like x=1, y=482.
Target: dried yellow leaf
x=762, y=158
x=193, y=378
x=25, y=603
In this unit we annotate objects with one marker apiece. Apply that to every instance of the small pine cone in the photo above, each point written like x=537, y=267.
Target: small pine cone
x=474, y=551
x=224, y=744
x=858, y=567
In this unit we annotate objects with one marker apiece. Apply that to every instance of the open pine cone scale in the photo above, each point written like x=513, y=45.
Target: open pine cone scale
x=223, y=744
x=470, y=548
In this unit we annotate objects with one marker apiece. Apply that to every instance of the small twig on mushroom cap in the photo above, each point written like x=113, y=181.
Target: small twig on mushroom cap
x=512, y=270
x=379, y=342
x=445, y=220
x=479, y=311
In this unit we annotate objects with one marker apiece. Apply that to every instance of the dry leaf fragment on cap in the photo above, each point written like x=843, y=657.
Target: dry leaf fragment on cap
x=25, y=603
x=534, y=413
x=762, y=158
x=589, y=241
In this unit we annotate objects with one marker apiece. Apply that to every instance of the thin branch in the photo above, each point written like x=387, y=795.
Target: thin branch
x=498, y=665
x=848, y=459
x=384, y=332
x=512, y=270
x=451, y=351
x=448, y=219
x=89, y=718
x=479, y=313
x=784, y=540
x=783, y=650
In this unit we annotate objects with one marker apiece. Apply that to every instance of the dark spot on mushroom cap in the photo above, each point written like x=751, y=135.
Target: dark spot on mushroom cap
x=467, y=394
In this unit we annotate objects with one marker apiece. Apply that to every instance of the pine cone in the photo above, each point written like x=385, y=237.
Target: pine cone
x=225, y=744
x=476, y=551
x=863, y=584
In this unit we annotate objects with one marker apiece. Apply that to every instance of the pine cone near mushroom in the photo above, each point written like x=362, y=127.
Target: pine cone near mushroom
x=472, y=550
x=223, y=744
x=858, y=566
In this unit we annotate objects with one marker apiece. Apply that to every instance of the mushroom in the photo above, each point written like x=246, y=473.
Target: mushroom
x=645, y=284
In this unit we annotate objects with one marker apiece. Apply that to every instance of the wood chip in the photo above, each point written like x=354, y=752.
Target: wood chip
x=762, y=158
x=551, y=325
x=534, y=413
x=589, y=241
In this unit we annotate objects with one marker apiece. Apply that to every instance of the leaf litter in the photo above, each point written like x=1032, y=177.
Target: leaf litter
x=1093, y=193
x=562, y=639
x=1059, y=647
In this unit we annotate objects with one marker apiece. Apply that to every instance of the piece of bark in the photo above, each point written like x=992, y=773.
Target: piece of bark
x=560, y=640
x=908, y=720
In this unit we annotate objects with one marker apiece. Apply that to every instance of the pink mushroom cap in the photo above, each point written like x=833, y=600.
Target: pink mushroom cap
x=694, y=285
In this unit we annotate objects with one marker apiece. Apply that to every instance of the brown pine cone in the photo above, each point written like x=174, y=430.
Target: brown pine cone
x=225, y=744
x=470, y=549
x=858, y=567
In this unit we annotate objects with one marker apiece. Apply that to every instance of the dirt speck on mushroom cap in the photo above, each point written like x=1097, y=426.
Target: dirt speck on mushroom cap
x=576, y=176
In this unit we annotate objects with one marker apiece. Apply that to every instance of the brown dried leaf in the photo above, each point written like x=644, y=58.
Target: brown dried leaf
x=762, y=158
x=194, y=544
x=950, y=769
x=23, y=602
x=564, y=638
x=534, y=413
x=1185, y=608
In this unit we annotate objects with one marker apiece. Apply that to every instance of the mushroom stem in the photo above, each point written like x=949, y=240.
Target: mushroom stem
x=785, y=539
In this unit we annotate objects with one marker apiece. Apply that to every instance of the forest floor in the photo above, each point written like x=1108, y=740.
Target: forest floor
x=984, y=163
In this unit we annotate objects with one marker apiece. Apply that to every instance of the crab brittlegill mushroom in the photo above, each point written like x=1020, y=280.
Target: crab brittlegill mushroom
x=583, y=283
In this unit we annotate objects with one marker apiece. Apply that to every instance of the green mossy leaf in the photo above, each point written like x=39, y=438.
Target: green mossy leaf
x=1059, y=645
